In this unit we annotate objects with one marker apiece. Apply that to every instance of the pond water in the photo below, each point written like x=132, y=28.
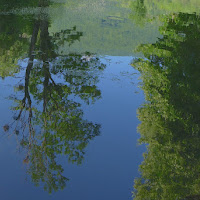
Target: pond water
x=83, y=83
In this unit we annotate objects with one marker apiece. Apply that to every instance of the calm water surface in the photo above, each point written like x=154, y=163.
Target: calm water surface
x=83, y=83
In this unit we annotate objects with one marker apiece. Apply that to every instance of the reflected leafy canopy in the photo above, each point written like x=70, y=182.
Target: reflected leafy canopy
x=170, y=120
x=49, y=120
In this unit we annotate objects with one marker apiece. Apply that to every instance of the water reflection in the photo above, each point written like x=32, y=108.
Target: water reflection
x=138, y=12
x=170, y=120
x=48, y=118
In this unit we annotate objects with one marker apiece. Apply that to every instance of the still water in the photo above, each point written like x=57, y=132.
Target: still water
x=99, y=99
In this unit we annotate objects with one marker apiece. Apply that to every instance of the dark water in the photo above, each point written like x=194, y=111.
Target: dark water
x=83, y=83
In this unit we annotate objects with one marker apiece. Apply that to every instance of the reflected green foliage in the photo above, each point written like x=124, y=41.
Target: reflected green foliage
x=172, y=6
x=49, y=121
x=138, y=11
x=103, y=22
x=147, y=11
x=15, y=32
x=11, y=5
x=170, y=120
x=6, y=5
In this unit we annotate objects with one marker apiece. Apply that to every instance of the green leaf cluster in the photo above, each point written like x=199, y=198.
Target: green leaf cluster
x=170, y=120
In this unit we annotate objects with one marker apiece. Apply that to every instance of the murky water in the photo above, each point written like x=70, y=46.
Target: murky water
x=83, y=83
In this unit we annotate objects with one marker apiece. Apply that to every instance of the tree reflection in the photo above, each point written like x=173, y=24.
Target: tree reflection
x=170, y=120
x=49, y=120
x=14, y=32
x=139, y=11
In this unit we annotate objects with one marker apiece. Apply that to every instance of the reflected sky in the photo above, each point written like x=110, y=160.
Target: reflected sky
x=106, y=157
x=59, y=130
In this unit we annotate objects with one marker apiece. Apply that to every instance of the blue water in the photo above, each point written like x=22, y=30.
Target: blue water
x=111, y=159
